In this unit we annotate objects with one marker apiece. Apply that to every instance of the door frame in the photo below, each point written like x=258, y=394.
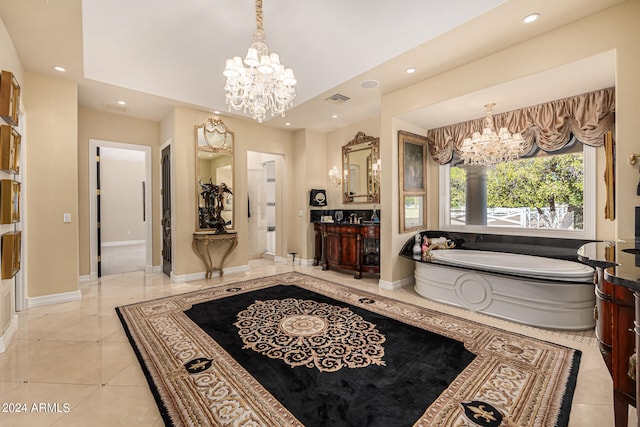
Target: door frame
x=93, y=144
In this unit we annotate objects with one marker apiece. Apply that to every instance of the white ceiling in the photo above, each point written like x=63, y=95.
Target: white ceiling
x=155, y=54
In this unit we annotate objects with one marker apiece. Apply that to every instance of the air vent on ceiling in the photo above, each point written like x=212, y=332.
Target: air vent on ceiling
x=338, y=98
x=115, y=108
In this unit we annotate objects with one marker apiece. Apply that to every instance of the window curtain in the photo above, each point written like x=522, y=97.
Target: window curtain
x=549, y=126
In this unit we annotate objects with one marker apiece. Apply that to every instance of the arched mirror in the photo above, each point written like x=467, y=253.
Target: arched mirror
x=214, y=176
x=361, y=170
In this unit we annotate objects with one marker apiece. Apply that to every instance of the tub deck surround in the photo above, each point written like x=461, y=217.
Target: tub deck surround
x=515, y=283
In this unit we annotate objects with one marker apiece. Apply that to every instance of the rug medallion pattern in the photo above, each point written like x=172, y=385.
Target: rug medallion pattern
x=311, y=334
x=514, y=380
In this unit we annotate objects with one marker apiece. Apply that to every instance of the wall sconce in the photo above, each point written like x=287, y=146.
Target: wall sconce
x=377, y=170
x=334, y=177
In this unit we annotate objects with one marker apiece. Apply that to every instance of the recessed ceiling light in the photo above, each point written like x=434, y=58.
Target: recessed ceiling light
x=369, y=84
x=531, y=18
x=411, y=70
x=287, y=124
x=335, y=116
x=122, y=103
x=59, y=68
x=216, y=112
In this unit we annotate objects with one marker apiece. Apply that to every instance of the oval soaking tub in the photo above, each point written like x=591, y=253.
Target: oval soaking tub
x=537, y=291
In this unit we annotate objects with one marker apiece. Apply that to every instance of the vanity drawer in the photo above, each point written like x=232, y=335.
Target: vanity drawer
x=343, y=229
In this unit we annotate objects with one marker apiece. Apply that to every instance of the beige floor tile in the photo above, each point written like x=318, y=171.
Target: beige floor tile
x=42, y=404
x=114, y=406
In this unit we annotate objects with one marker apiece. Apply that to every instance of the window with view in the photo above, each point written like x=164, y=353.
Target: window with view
x=547, y=193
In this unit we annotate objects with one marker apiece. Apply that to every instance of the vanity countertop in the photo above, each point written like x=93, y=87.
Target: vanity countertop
x=620, y=261
x=362, y=224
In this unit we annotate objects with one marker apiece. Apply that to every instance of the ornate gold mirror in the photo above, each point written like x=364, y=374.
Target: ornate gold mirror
x=361, y=170
x=214, y=176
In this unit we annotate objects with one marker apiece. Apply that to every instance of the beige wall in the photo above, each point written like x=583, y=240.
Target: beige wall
x=94, y=124
x=52, y=179
x=614, y=29
x=311, y=172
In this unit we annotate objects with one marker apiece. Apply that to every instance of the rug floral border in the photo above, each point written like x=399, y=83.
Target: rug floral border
x=529, y=381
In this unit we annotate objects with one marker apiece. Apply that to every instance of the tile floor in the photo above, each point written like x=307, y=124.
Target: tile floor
x=123, y=258
x=73, y=360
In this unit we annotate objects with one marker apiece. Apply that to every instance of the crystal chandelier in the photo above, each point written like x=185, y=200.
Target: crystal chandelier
x=489, y=148
x=261, y=84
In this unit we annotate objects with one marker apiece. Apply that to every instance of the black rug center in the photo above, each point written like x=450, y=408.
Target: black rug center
x=407, y=369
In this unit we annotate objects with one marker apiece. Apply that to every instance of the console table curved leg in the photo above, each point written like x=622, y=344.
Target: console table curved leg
x=234, y=243
x=203, y=252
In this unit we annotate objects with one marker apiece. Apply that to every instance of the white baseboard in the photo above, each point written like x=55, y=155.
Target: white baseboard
x=5, y=339
x=392, y=286
x=53, y=299
x=201, y=275
x=123, y=243
x=88, y=278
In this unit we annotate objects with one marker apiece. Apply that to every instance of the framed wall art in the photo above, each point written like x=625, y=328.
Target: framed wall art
x=9, y=98
x=9, y=149
x=412, y=180
x=9, y=201
x=11, y=250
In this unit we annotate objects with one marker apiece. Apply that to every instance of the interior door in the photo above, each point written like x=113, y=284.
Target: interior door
x=166, y=210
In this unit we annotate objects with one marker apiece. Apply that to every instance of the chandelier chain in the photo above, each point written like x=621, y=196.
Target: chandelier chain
x=259, y=19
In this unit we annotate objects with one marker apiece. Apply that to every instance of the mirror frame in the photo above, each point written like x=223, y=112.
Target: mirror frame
x=361, y=142
x=218, y=139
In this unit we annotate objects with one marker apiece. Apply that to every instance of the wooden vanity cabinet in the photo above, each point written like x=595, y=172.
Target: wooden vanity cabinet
x=348, y=246
x=615, y=315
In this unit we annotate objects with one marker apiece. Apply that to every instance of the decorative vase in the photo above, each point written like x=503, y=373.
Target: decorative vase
x=417, y=247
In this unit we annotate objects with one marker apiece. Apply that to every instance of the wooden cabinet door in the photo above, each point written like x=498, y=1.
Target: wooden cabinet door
x=349, y=251
x=334, y=248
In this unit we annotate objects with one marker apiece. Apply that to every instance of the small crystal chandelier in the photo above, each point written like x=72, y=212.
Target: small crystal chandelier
x=489, y=148
x=262, y=84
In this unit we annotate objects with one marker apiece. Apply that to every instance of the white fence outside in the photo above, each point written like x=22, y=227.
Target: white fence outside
x=522, y=217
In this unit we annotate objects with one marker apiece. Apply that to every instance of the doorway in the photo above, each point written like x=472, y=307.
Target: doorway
x=266, y=229
x=120, y=208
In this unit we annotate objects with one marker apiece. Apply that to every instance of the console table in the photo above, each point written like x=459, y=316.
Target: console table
x=200, y=245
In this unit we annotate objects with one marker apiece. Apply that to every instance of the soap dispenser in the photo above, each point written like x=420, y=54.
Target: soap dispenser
x=374, y=215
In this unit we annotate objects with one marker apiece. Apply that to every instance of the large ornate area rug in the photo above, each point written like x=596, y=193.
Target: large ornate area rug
x=292, y=350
